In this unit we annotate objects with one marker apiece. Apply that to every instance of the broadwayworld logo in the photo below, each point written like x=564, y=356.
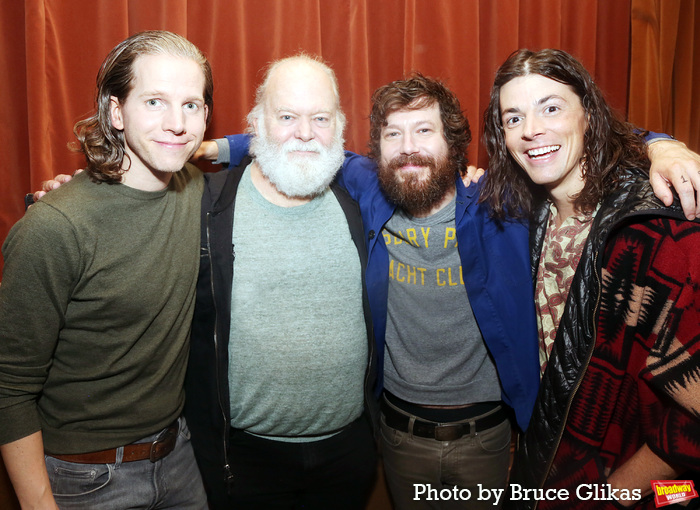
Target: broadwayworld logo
x=667, y=492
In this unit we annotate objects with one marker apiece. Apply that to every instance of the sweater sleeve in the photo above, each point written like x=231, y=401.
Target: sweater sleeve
x=41, y=266
x=673, y=365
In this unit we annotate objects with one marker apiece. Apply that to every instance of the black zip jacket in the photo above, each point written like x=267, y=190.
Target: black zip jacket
x=206, y=385
x=576, y=335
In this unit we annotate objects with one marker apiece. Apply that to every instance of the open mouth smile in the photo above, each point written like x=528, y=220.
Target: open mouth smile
x=542, y=152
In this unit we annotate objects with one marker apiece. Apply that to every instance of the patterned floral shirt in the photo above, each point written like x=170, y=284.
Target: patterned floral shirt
x=560, y=256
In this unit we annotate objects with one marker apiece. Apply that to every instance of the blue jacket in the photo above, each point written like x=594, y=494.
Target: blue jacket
x=496, y=269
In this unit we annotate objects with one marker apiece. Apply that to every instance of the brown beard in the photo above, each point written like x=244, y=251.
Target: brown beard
x=412, y=194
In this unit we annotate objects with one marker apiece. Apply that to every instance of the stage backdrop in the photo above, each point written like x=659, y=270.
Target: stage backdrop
x=50, y=51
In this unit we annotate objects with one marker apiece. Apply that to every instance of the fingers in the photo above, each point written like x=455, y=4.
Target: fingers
x=673, y=164
x=686, y=181
x=661, y=189
x=473, y=175
x=688, y=192
x=56, y=182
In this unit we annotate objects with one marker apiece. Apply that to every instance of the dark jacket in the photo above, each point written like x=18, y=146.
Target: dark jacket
x=576, y=336
x=207, y=391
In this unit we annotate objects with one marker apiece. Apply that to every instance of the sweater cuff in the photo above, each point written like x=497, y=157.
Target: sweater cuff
x=18, y=421
x=224, y=152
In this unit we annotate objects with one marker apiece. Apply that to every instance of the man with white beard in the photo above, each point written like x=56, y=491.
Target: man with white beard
x=281, y=358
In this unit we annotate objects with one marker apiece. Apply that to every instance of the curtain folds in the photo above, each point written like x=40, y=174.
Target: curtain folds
x=51, y=50
x=665, y=49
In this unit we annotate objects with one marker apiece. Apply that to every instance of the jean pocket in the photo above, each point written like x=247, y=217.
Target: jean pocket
x=69, y=479
x=390, y=436
x=496, y=438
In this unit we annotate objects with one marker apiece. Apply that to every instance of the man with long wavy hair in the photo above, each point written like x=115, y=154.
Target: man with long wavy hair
x=617, y=291
x=97, y=297
x=451, y=300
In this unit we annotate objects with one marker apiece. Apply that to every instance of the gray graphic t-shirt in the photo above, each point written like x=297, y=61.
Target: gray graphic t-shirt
x=434, y=352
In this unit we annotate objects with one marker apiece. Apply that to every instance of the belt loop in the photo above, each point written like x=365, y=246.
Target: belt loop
x=119, y=457
x=472, y=428
x=411, y=421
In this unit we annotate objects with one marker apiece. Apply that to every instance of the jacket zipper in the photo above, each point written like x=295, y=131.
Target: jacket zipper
x=580, y=380
x=597, y=271
x=228, y=476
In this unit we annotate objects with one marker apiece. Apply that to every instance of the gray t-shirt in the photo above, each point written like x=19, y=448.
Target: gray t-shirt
x=298, y=346
x=434, y=352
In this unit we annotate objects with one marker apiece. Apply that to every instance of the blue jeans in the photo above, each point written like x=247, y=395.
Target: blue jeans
x=417, y=469
x=171, y=482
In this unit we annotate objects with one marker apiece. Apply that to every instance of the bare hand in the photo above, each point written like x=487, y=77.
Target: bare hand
x=473, y=175
x=208, y=150
x=674, y=165
x=54, y=183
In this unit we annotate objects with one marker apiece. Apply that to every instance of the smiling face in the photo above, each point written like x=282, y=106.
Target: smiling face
x=544, y=124
x=414, y=168
x=410, y=135
x=163, y=118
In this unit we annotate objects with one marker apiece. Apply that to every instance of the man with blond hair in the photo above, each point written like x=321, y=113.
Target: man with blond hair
x=98, y=294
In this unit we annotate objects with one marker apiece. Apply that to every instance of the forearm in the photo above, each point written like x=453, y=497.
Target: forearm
x=639, y=470
x=24, y=460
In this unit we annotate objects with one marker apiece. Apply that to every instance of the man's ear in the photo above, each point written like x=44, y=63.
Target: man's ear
x=115, y=113
x=255, y=125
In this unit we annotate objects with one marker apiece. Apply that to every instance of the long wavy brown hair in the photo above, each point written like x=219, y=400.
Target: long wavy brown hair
x=610, y=145
x=102, y=144
x=415, y=93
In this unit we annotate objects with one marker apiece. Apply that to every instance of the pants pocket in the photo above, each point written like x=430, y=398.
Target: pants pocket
x=69, y=479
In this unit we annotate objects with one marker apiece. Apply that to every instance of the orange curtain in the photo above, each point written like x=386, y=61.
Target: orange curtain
x=665, y=68
x=51, y=50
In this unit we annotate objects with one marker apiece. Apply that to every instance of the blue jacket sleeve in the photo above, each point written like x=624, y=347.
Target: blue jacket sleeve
x=356, y=174
x=650, y=136
x=238, y=146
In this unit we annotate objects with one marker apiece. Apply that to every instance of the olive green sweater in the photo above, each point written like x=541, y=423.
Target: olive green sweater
x=96, y=302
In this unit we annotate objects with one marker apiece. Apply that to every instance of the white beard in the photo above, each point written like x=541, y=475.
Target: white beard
x=297, y=177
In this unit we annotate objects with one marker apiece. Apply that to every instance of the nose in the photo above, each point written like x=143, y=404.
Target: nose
x=174, y=120
x=304, y=130
x=408, y=145
x=532, y=126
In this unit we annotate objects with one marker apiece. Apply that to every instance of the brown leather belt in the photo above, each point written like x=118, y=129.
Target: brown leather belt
x=440, y=431
x=158, y=449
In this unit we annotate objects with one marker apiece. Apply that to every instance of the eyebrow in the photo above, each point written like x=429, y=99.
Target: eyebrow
x=538, y=103
x=160, y=93
x=287, y=109
x=412, y=125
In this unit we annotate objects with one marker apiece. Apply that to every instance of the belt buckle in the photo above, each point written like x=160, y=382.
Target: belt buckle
x=164, y=438
x=450, y=432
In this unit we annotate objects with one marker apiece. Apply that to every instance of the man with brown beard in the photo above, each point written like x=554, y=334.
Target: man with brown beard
x=451, y=299
x=448, y=287
x=458, y=348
